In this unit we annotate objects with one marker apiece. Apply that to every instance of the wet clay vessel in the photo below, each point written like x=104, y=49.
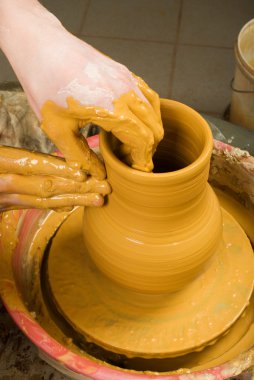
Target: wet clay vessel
x=23, y=246
x=23, y=250
x=162, y=270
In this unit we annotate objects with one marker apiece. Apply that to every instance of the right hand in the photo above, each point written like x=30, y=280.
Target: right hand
x=65, y=73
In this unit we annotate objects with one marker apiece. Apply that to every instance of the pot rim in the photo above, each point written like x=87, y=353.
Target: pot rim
x=190, y=170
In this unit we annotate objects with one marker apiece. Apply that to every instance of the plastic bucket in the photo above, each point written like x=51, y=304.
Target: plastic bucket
x=242, y=102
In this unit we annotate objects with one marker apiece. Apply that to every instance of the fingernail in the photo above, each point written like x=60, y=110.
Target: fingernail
x=98, y=200
x=103, y=187
x=80, y=176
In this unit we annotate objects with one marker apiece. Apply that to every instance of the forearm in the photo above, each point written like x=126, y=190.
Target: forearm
x=26, y=28
x=20, y=17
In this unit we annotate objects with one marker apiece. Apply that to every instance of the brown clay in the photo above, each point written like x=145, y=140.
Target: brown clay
x=37, y=180
x=163, y=272
x=135, y=123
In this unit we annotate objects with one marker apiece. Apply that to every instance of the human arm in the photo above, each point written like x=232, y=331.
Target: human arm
x=70, y=84
x=76, y=84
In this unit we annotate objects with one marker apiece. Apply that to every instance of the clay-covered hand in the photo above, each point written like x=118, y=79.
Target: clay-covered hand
x=70, y=84
x=37, y=180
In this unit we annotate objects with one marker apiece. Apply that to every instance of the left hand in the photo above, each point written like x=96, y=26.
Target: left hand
x=37, y=180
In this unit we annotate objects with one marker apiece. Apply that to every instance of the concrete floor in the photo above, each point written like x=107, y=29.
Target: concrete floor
x=182, y=48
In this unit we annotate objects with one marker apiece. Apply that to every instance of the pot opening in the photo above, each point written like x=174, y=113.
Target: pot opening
x=166, y=160
x=180, y=147
x=182, y=144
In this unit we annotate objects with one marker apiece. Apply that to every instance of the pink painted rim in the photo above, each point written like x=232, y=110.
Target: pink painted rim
x=85, y=366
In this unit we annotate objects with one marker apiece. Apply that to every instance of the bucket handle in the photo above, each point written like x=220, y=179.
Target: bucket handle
x=240, y=91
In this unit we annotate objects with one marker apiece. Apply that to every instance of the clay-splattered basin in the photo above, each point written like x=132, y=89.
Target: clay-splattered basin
x=21, y=254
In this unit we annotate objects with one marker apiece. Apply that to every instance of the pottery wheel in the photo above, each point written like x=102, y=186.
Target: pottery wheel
x=134, y=324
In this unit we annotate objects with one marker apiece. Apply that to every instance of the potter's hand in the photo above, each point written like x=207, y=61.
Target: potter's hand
x=70, y=84
x=37, y=180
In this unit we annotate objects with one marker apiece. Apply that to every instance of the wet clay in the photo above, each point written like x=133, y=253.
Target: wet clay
x=30, y=179
x=19, y=161
x=135, y=324
x=35, y=180
x=244, y=216
x=160, y=274
x=134, y=122
x=241, y=337
x=206, y=312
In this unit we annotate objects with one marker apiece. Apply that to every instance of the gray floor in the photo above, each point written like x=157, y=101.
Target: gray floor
x=182, y=48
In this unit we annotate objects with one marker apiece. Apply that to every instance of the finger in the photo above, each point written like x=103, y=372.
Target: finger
x=150, y=95
x=21, y=161
x=135, y=135
x=97, y=186
x=124, y=153
x=123, y=124
x=138, y=152
x=145, y=113
x=48, y=186
x=128, y=129
x=18, y=201
x=62, y=127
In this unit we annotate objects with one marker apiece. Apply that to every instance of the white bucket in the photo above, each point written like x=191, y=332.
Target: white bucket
x=242, y=102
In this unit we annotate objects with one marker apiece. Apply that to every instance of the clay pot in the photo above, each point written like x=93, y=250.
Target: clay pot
x=158, y=251
x=158, y=230
x=21, y=255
